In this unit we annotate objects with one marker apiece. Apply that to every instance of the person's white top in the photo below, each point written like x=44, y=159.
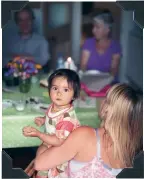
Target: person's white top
x=76, y=166
x=34, y=45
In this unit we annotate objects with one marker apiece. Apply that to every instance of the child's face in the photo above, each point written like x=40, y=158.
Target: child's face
x=61, y=93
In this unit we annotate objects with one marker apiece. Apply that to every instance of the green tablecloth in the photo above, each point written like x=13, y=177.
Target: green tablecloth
x=13, y=121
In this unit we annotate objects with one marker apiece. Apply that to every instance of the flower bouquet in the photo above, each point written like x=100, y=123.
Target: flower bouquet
x=19, y=72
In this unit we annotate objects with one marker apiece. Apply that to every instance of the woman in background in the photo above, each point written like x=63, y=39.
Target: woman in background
x=101, y=52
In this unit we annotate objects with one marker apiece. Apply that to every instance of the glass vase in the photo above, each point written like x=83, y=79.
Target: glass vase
x=25, y=85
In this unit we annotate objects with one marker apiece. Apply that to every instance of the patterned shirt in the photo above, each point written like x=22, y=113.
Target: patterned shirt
x=61, y=124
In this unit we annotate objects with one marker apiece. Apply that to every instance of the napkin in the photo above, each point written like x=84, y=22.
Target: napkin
x=96, y=82
x=44, y=82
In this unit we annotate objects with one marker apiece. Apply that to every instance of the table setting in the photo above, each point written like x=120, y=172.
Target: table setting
x=23, y=101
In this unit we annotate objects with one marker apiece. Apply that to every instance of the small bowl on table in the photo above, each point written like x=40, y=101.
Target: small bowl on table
x=20, y=105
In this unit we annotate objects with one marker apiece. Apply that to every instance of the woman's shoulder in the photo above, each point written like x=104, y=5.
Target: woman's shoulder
x=85, y=134
x=89, y=130
x=83, y=131
x=115, y=42
x=116, y=46
x=89, y=42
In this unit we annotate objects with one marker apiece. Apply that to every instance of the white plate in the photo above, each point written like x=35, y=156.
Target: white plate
x=95, y=73
x=92, y=72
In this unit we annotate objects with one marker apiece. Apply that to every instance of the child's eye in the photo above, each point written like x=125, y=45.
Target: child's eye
x=66, y=90
x=54, y=88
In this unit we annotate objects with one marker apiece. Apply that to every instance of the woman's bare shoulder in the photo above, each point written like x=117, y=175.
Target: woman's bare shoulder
x=82, y=135
x=88, y=130
x=83, y=132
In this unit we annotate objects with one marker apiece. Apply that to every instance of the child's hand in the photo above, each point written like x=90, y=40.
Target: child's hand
x=39, y=121
x=48, y=145
x=30, y=132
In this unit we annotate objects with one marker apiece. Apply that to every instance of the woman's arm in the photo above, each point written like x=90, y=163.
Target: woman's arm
x=84, y=59
x=72, y=146
x=116, y=55
x=42, y=148
x=115, y=64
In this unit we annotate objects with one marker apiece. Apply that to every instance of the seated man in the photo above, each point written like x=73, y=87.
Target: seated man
x=26, y=43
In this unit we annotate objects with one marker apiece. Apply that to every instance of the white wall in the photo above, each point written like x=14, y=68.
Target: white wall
x=126, y=26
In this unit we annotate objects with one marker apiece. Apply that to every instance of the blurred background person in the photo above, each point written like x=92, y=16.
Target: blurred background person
x=26, y=43
x=101, y=52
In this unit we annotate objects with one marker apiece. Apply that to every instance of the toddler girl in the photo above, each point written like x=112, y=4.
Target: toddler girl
x=60, y=118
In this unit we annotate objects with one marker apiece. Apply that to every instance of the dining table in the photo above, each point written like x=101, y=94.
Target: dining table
x=13, y=120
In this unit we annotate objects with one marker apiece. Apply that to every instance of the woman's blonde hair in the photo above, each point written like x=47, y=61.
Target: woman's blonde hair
x=122, y=118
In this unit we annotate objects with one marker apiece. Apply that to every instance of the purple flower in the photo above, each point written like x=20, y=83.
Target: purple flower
x=36, y=71
x=32, y=65
x=6, y=74
x=22, y=61
x=11, y=70
x=30, y=70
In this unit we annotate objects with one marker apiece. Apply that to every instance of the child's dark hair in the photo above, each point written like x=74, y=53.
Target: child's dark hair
x=72, y=79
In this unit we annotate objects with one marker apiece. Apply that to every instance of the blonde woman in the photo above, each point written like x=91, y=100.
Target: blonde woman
x=103, y=152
